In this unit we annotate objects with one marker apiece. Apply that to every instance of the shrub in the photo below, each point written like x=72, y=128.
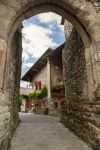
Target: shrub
x=58, y=87
x=43, y=92
x=38, y=94
x=20, y=102
x=32, y=96
x=59, y=94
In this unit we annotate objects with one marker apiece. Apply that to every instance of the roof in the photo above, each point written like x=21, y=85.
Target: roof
x=40, y=63
x=55, y=55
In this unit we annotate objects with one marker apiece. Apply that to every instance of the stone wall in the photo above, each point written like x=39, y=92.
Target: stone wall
x=79, y=114
x=9, y=96
x=86, y=19
x=75, y=68
x=14, y=74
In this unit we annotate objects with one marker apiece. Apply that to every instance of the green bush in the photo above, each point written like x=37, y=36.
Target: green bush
x=58, y=88
x=38, y=94
x=32, y=96
x=20, y=102
x=43, y=92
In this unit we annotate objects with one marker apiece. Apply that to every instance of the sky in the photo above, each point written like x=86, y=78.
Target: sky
x=39, y=33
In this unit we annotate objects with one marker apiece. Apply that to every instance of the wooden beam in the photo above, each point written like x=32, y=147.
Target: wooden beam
x=35, y=69
x=62, y=21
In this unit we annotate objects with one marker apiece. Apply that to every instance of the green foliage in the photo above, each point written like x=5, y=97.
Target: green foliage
x=58, y=87
x=58, y=84
x=58, y=90
x=32, y=96
x=38, y=94
x=43, y=92
x=20, y=101
x=60, y=94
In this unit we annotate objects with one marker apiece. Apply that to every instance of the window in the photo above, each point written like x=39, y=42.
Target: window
x=38, y=85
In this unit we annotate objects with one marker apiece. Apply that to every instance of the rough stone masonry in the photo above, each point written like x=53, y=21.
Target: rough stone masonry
x=79, y=114
x=82, y=114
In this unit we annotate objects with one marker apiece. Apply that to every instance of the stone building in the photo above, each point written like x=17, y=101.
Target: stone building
x=84, y=15
x=47, y=71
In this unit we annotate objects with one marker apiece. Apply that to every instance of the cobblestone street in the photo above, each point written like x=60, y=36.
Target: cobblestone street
x=44, y=133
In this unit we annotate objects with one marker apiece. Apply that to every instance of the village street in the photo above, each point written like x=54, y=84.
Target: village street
x=38, y=132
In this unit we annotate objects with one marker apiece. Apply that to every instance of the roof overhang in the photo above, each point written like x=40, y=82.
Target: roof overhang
x=54, y=55
x=40, y=63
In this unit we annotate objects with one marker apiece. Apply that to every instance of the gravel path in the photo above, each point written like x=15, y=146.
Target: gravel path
x=38, y=132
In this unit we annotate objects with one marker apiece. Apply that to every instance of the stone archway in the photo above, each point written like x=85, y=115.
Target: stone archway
x=81, y=14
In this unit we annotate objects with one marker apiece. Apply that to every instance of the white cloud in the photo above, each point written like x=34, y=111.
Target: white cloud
x=49, y=17
x=25, y=56
x=27, y=65
x=38, y=40
x=53, y=18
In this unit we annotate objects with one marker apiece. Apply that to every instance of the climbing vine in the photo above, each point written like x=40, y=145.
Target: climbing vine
x=38, y=94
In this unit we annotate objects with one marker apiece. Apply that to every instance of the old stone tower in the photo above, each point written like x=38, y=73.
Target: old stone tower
x=81, y=64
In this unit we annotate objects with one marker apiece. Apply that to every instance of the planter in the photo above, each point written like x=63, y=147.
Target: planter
x=58, y=95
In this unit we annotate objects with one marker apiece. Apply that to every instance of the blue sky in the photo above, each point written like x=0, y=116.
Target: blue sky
x=40, y=32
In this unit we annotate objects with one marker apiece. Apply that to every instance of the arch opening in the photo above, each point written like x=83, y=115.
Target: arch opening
x=14, y=30
x=50, y=7
x=74, y=37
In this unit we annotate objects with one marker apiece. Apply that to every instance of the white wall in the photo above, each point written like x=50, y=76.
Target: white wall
x=56, y=74
x=41, y=76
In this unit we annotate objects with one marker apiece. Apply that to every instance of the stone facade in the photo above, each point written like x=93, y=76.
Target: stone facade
x=79, y=114
x=9, y=98
x=85, y=17
x=74, y=65
x=56, y=76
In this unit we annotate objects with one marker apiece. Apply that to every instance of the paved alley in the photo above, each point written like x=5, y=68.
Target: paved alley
x=37, y=132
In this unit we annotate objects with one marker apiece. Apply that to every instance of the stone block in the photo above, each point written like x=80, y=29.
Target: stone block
x=3, y=49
